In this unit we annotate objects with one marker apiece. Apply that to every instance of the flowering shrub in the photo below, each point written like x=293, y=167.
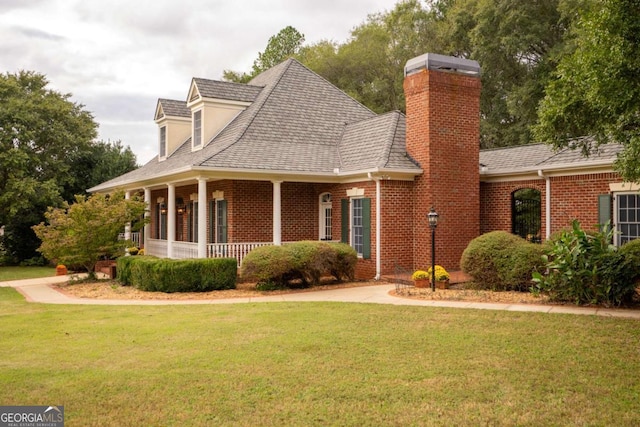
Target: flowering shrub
x=441, y=273
x=420, y=275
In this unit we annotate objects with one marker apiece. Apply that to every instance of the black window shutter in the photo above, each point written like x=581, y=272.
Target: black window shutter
x=345, y=221
x=366, y=228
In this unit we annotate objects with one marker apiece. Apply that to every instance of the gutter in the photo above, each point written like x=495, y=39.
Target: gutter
x=378, y=225
x=547, y=201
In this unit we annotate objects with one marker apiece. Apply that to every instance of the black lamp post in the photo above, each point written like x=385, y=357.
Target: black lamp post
x=433, y=223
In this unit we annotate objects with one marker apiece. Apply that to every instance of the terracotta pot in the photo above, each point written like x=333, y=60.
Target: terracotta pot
x=442, y=284
x=421, y=283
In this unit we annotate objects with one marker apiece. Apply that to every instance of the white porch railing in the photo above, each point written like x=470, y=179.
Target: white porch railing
x=135, y=238
x=183, y=250
x=156, y=247
x=233, y=250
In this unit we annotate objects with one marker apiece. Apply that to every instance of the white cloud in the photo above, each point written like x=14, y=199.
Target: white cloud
x=118, y=57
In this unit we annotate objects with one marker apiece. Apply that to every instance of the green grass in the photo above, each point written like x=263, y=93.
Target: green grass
x=305, y=364
x=19, y=273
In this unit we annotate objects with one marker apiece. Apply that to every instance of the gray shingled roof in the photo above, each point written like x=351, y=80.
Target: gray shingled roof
x=377, y=142
x=174, y=108
x=226, y=90
x=297, y=122
x=531, y=157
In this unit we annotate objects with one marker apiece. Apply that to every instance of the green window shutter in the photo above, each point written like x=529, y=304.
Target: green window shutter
x=366, y=228
x=345, y=220
x=222, y=219
x=604, y=209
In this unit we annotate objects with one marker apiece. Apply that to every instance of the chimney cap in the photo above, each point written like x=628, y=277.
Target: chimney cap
x=434, y=61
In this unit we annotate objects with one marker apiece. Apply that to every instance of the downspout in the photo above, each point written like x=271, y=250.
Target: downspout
x=378, y=221
x=547, y=203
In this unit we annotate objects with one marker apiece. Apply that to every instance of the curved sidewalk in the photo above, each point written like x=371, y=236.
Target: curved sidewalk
x=39, y=291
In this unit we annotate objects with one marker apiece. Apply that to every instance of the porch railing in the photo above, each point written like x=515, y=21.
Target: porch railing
x=233, y=250
x=135, y=238
x=183, y=250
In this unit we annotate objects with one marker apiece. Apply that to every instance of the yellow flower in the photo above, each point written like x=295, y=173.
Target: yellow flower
x=419, y=275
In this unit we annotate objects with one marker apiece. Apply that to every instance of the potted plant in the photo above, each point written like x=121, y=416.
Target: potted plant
x=61, y=270
x=420, y=278
x=442, y=277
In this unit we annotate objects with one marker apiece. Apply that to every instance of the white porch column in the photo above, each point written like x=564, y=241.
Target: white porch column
x=127, y=227
x=202, y=218
x=147, y=214
x=277, y=213
x=171, y=219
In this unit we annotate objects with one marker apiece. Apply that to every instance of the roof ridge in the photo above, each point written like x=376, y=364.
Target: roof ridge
x=386, y=151
x=254, y=114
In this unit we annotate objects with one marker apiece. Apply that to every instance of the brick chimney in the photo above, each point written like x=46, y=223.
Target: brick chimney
x=443, y=135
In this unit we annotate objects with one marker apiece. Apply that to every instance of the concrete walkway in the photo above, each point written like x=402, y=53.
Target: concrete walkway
x=39, y=291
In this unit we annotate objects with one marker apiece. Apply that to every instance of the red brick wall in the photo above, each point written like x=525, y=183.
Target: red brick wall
x=443, y=125
x=572, y=197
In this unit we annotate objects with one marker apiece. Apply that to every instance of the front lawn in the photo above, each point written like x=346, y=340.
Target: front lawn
x=19, y=273
x=274, y=364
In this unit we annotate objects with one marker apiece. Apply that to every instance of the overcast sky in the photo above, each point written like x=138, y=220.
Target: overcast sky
x=117, y=57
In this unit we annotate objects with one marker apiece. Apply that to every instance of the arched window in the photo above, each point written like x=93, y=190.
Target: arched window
x=325, y=217
x=526, y=214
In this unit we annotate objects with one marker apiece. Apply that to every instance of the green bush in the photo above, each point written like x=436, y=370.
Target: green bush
x=306, y=261
x=343, y=265
x=501, y=261
x=266, y=264
x=585, y=268
x=187, y=275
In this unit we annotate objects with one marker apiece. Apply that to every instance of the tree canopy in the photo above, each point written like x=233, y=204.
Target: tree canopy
x=47, y=155
x=596, y=90
x=518, y=45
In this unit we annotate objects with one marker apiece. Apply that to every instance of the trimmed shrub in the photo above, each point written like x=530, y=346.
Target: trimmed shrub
x=306, y=261
x=186, y=275
x=501, y=261
x=123, y=268
x=343, y=265
x=266, y=264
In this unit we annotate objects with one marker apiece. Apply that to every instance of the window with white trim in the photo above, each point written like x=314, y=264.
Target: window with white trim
x=163, y=142
x=627, y=217
x=325, y=217
x=197, y=129
x=357, y=232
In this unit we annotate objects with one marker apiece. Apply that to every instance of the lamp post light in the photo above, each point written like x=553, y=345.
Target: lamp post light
x=433, y=223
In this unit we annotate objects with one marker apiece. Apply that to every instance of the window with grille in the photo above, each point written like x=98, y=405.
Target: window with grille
x=326, y=232
x=627, y=217
x=357, y=232
x=163, y=141
x=197, y=129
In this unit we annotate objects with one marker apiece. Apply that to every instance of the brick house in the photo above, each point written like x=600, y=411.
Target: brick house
x=290, y=157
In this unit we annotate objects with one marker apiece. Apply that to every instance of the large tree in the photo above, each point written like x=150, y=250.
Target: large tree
x=517, y=45
x=39, y=130
x=47, y=155
x=596, y=91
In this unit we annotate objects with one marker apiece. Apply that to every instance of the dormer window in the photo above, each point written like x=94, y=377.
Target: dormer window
x=197, y=129
x=163, y=142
